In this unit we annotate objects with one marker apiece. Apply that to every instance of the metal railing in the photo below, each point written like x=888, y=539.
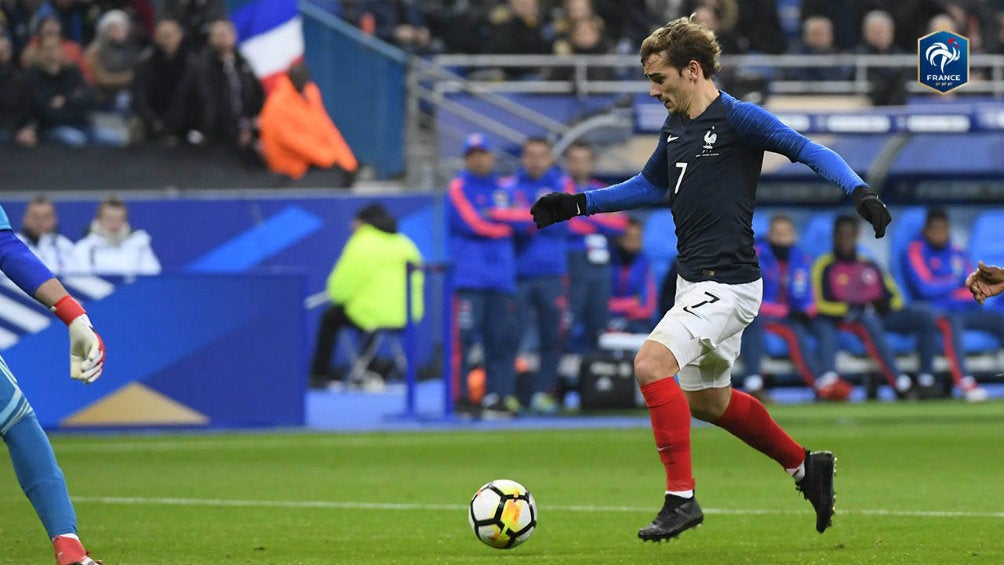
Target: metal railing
x=433, y=84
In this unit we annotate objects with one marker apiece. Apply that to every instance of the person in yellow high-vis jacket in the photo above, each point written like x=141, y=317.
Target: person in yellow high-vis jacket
x=368, y=285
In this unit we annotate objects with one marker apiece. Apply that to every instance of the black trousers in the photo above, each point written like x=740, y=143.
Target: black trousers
x=333, y=321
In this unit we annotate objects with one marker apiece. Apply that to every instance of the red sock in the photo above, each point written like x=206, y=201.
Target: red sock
x=748, y=420
x=670, y=413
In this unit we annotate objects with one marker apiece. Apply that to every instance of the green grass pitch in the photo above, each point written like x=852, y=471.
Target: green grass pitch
x=916, y=483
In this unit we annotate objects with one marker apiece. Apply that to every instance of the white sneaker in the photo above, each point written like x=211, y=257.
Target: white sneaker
x=972, y=391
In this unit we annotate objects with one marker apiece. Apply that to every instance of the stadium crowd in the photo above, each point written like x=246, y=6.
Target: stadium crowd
x=517, y=282
x=608, y=26
x=78, y=73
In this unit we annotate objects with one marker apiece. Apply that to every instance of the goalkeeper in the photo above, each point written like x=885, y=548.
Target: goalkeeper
x=30, y=451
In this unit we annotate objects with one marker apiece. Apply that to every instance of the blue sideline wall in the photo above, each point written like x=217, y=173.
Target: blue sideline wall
x=222, y=338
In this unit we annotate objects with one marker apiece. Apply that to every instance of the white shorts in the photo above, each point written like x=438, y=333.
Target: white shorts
x=705, y=327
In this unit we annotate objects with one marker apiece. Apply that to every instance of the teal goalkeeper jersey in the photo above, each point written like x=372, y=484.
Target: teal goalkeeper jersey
x=4, y=221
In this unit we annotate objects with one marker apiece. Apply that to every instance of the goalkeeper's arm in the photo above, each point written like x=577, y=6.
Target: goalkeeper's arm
x=87, y=351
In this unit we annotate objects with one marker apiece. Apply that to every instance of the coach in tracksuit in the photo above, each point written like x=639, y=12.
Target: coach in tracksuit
x=588, y=257
x=481, y=244
x=788, y=311
x=541, y=265
x=936, y=272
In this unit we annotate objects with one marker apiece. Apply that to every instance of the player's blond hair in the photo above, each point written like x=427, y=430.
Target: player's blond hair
x=683, y=40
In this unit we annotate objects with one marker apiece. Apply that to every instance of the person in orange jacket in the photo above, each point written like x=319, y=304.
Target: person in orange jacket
x=296, y=131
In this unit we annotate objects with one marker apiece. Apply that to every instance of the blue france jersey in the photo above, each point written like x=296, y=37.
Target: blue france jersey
x=4, y=220
x=708, y=168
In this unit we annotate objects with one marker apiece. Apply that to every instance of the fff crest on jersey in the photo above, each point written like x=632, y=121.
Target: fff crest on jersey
x=943, y=61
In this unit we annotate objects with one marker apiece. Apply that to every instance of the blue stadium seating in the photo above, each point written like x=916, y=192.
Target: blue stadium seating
x=906, y=226
x=986, y=243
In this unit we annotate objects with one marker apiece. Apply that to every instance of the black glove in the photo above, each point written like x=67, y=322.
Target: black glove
x=557, y=207
x=871, y=209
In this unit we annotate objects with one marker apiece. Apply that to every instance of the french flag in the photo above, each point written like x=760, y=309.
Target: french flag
x=269, y=35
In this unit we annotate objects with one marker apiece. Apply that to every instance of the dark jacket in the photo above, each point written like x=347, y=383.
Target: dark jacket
x=220, y=121
x=68, y=83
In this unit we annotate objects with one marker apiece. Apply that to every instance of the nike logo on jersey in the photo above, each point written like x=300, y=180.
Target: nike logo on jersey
x=670, y=138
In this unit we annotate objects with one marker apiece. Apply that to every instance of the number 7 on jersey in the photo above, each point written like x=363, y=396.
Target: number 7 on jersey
x=679, y=179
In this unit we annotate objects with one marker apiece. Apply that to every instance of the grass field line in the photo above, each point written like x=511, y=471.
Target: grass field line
x=341, y=505
x=259, y=443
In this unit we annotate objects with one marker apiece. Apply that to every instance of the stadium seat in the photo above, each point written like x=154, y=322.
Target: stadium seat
x=906, y=226
x=817, y=235
x=361, y=358
x=986, y=240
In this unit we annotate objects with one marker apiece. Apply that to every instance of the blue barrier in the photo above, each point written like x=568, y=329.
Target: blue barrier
x=362, y=81
x=183, y=350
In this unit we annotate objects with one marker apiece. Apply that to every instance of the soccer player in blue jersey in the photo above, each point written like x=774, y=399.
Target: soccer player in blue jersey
x=706, y=166
x=30, y=451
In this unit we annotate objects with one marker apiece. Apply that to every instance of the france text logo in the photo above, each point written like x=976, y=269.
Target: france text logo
x=943, y=61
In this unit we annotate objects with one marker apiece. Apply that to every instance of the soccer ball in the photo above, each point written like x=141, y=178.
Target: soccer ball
x=503, y=514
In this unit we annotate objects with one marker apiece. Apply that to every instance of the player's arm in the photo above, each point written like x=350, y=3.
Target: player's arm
x=647, y=187
x=759, y=127
x=87, y=351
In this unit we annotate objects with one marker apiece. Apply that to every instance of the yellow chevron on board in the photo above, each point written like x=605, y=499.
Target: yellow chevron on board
x=135, y=405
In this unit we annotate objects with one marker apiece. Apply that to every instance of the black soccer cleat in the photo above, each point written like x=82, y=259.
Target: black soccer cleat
x=677, y=516
x=817, y=486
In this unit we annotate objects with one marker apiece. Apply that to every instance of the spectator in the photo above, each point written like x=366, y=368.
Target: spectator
x=228, y=91
x=15, y=101
x=196, y=17
x=760, y=26
x=633, y=298
x=112, y=247
x=847, y=17
x=485, y=280
x=368, y=285
x=585, y=38
x=40, y=232
x=400, y=22
x=72, y=52
x=61, y=101
x=888, y=84
x=936, y=272
x=787, y=310
x=112, y=58
x=817, y=39
x=730, y=41
x=588, y=257
x=541, y=266
x=628, y=22
x=854, y=291
x=519, y=28
x=78, y=18
x=160, y=97
x=297, y=133
x=461, y=25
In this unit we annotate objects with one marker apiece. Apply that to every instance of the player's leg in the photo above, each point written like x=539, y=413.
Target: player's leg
x=578, y=303
x=470, y=316
x=501, y=342
x=37, y=472
x=920, y=320
x=745, y=417
x=656, y=364
x=751, y=351
x=332, y=321
x=549, y=304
